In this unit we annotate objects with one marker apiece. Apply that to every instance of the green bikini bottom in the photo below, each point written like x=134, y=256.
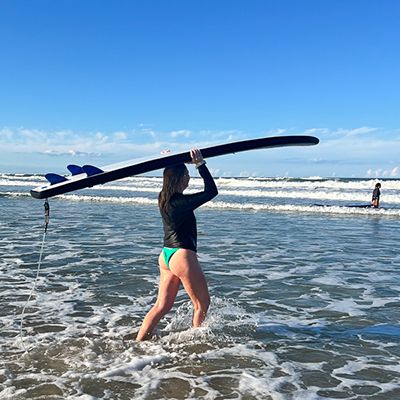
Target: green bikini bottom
x=168, y=253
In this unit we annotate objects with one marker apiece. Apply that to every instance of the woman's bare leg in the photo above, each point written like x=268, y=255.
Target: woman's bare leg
x=185, y=265
x=185, y=268
x=167, y=291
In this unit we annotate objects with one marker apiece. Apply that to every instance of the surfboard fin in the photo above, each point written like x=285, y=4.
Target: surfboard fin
x=92, y=170
x=75, y=169
x=55, y=178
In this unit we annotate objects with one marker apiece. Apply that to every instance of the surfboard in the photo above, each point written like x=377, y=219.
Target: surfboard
x=346, y=205
x=89, y=175
x=360, y=206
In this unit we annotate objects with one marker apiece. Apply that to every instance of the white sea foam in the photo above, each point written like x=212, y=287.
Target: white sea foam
x=230, y=205
x=270, y=193
x=243, y=193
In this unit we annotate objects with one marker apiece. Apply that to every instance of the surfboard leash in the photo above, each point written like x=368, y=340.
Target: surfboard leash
x=46, y=224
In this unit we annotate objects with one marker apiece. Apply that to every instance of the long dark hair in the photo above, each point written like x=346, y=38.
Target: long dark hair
x=171, y=181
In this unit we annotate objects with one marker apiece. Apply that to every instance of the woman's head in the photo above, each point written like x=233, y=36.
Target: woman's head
x=175, y=180
x=378, y=185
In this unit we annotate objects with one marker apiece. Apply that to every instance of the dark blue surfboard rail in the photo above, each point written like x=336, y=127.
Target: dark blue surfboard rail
x=158, y=163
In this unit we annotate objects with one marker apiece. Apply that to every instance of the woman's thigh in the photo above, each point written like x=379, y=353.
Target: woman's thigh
x=185, y=265
x=168, y=286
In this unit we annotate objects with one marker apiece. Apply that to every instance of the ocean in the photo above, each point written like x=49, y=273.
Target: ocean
x=305, y=293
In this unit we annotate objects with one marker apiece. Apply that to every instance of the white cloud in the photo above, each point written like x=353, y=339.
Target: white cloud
x=316, y=131
x=371, y=173
x=383, y=173
x=181, y=133
x=355, y=132
x=245, y=174
x=276, y=132
x=6, y=134
x=341, y=132
x=120, y=135
x=71, y=152
x=33, y=134
x=208, y=136
x=22, y=135
x=147, y=132
x=101, y=137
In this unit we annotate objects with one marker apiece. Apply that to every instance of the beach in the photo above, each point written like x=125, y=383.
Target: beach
x=304, y=293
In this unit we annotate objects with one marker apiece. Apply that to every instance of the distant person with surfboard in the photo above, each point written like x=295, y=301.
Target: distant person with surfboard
x=376, y=194
x=178, y=260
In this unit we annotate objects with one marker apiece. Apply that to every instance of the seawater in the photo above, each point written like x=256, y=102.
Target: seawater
x=305, y=293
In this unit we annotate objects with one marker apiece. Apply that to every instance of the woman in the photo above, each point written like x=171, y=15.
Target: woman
x=178, y=260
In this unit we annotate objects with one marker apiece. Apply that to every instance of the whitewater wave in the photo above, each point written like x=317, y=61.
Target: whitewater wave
x=226, y=205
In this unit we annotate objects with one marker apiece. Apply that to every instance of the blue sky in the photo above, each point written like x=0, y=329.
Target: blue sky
x=104, y=81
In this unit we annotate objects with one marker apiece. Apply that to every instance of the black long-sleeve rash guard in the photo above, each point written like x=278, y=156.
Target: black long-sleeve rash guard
x=376, y=194
x=179, y=222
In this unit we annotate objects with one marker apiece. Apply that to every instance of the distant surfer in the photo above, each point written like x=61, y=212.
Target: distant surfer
x=376, y=194
x=178, y=261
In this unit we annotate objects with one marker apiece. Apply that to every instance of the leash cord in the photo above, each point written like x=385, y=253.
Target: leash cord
x=46, y=224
